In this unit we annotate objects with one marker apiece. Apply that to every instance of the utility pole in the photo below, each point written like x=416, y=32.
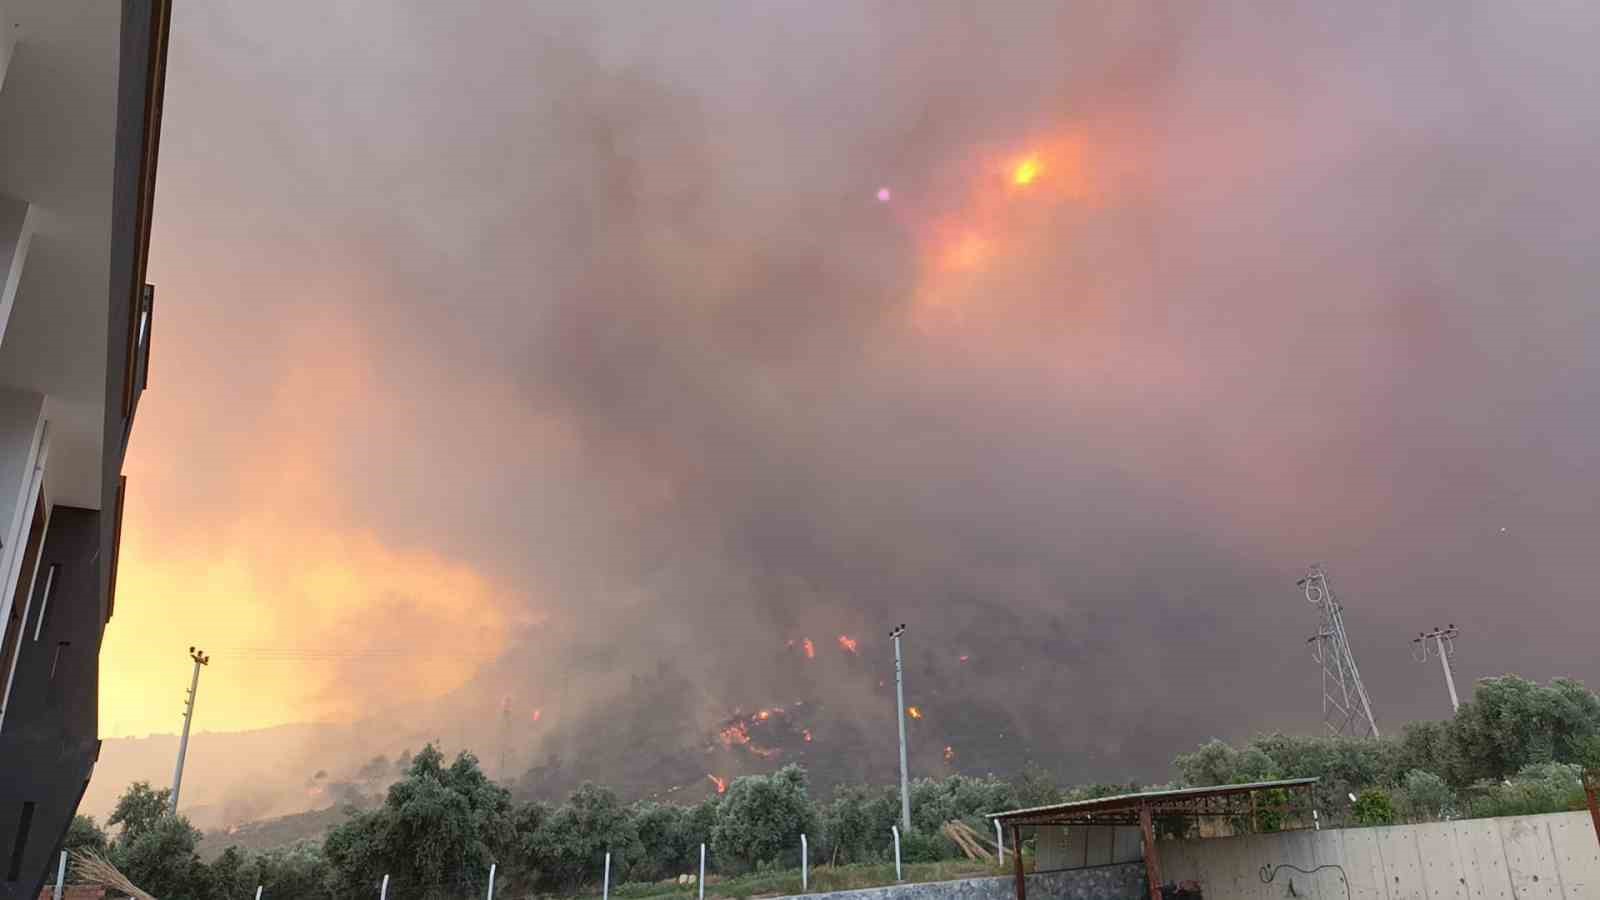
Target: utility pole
x=1346, y=708
x=200, y=659
x=900, y=702
x=1444, y=641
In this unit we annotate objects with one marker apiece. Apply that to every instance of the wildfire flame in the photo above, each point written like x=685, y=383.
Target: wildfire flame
x=721, y=783
x=848, y=643
x=810, y=648
x=537, y=713
x=764, y=715
x=964, y=658
x=806, y=733
x=734, y=735
x=913, y=712
x=949, y=753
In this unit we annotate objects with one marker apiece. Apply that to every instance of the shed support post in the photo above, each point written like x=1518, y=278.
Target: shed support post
x=1152, y=857
x=1016, y=859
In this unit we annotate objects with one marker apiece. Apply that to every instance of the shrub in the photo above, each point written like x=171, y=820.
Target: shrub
x=1373, y=807
x=1537, y=789
x=761, y=818
x=925, y=846
x=1427, y=797
x=570, y=847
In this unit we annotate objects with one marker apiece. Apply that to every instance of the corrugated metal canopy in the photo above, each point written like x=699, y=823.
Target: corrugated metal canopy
x=1153, y=799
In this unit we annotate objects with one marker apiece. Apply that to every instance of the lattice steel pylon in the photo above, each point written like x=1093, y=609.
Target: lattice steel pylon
x=1346, y=708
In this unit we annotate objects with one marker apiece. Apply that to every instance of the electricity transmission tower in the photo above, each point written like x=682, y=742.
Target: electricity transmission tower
x=1444, y=640
x=1346, y=708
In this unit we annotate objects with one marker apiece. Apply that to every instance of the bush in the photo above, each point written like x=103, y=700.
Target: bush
x=1427, y=797
x=436, y=833
x=1373, y=807
x=160, y=857
x=663, y=839
x=761, y=819
x=570, y=847
x=925, y=847
x=1537, y=789
x=855, y=826
x=1035, y=787
x=958, y=797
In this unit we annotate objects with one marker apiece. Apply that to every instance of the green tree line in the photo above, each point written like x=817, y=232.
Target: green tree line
x=1516, y=748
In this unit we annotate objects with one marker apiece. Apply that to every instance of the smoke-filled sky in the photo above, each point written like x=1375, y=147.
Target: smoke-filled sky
x=564, y=342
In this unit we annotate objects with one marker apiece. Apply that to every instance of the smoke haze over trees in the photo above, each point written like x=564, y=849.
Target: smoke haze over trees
x=438, y=827
x=574, y=367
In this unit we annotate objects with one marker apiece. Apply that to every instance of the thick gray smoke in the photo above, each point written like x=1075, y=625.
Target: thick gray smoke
x=648, y=351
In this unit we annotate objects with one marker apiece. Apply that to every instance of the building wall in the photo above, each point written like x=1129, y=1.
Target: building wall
x=1521, y=857
x=50, y=741
x=1083, y=847
x=80, y=114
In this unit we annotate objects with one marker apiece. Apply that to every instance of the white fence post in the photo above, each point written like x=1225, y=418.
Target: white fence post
x=258, y=892
x=702, y=872
x=383, y=892
x=605, y=885
x=896, y=830
x=491, y=881
x=61, y=873
x=999, y=843
x=805, y=859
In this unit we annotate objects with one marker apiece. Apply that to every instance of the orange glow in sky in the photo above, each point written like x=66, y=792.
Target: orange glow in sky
x=1025, y=171
x=1004, y=226
x=303, y=609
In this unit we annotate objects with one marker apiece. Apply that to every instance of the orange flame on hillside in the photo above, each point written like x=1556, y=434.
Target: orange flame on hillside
x=848, y=643
x=537, y=713
x=810, y=648
x=913, y=712
x=806, y=733
x=734, y=735
x=721, y=783
x=764, y=715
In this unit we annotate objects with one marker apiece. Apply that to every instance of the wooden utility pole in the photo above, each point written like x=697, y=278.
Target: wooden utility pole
x=1152, y=859
x=1016, y=856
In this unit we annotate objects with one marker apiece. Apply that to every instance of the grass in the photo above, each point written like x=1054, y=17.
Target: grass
x=787, y=882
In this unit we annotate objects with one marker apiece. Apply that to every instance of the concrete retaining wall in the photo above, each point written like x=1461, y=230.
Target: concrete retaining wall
x=1124, y=882
x=1551, y=857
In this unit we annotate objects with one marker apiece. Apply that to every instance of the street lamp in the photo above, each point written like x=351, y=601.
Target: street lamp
x=900, y=702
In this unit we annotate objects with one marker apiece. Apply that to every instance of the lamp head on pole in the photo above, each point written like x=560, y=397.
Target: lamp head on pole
x=899, y=630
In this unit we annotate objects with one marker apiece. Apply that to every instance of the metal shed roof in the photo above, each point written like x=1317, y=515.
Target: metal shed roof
x=1157, y=800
